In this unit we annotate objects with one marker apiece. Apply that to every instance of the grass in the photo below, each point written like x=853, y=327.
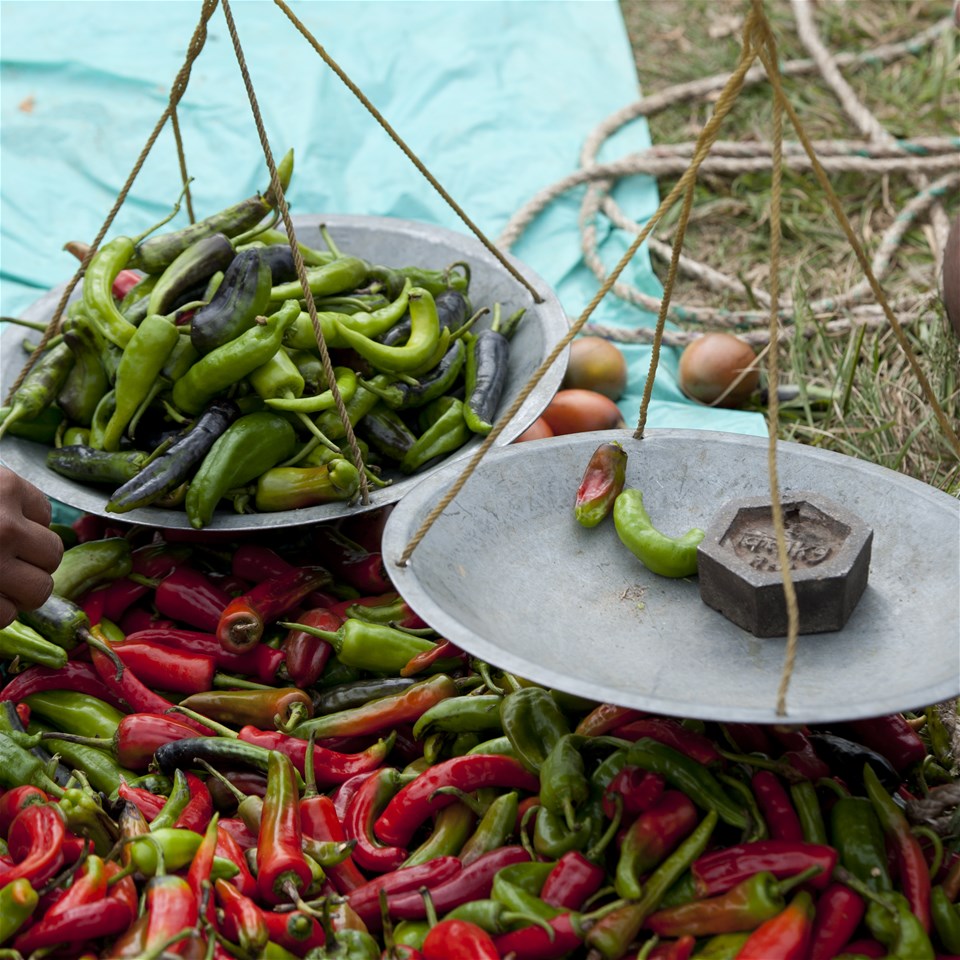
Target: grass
x=878, y=412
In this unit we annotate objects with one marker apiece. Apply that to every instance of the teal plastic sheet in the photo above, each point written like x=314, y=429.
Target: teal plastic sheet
x=495, y=97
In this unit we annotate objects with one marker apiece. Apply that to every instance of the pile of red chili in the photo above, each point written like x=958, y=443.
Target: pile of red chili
x=212, y=748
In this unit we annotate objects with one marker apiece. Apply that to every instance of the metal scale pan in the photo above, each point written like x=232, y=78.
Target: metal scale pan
x=510, y=576
x=389, y=241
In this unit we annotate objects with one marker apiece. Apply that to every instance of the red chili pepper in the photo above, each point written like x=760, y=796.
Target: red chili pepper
x=24, y=713
x=229, y=583
x=838, y=914
x=198, y=874
x=242, y=621
x=281, y=864
x=534, y=943
x=103, y=918
x=140, y=734
x=319, y=821
x=255, y=708
x=348, y=561
x=384, y=608
x=129, y=688
x=749, y=738
x=157, y=560
x=88, y=887
x=358, y=822
x=172, y=908
x=188, y=596
x=117, y=597
x=604, y=718
x=867, y=948
x=774, y=803
x=638, y=790
x=681, y=949
x=16, y=799
x=295, y=931
x=785, y=936
x=149, y=804
x=572, y=881
x=307, y=655
x=365, y=900
x=722, y=869
x=257, y=563
x=421, y=661
x=124, y=282
x=196, y=814
x=139, y=618
x=419, y=799
x=76, y=676
x=914, y=875
x=367, y=528
x=89, y=527
x=892, y=737
x=176, y=670
x=459, y=940
x=261, y=662
x=242, y=920
x=673, y=734
x=35, y=839
x=230, y=849
x=332, y=767
x=800, y=754
x=343, y=796
x=94, y=604
x=472, y=882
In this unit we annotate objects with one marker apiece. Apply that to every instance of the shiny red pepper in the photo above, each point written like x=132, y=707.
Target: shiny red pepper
x=637, y=789
x=77, y=676
x=35, y=841
x=157, y=560
x=421, y=661
x=718, y=871
x=139, y=618
x=358, y=821
x=186, y=595
x=319, y=821
x=230, y=849
x=776, y=807
x=149, y=804
x=472, y=882
x=198, y=874
x=89, y=886
x=459, y=940
x=257, y=563
x=262, y=662
x=307, y=655
x=332, y=767
x=243, y=922
x=348, y=561
x=534, y=943
x=179, y=671
x=680, y=949
x=242, y=622
x=605, y=717
x=172, y=908
x=139, y=734
x=892, y=737
x=419, y=799
x=16, y=799
x=572, y=881
x=102, y=918
x=785, y=936
x=838, y=914
x=365, y=900
x=117, y=597
x=673, y=734
x=281, y=865
x=196, y=814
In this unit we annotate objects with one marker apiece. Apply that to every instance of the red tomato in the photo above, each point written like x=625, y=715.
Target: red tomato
x=582, y=411
x=536, y=431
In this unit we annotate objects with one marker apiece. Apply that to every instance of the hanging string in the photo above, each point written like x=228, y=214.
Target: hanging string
x=297, y=257
x=182, y=160
x=177, y=90
x=414, y=159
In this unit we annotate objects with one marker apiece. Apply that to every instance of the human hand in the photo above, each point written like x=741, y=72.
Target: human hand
x=29, y=550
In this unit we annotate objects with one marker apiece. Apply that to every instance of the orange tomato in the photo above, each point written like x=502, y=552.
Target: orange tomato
x=582, y=411
x=536, y=431
x=716, y=362
x=596, y=364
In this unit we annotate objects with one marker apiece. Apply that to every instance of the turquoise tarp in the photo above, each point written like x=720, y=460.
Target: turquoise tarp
x=496, y=97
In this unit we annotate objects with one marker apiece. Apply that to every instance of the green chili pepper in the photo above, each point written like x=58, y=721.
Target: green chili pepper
x=451, y=828
x=501, y=746
x=168, y=848
x=193, y=266
x=102, y=270
x=88, y=564
x=411, y=933
x=424, y=338
x=807, y=804
x=495, y=828
x=338, y=276
x=444, y=431
x=177, y=799
x=76, y=713
x=346, y=379
x=460, y=715
x=18, y=766
x=143, y=359
x=563, y=781
x=553, y=837
x=99, y=767
x=87, y=380
x=358, y=406
x=278, y=377
x=659, y=553
x=534, y=723
x=687, y=775
x=18, y=900
x=387, y=432
x=247, y=448
x=725, y=946
x=39, y=388
x=290, y=488
x=857, y=836
x=19, y=640
x=517, y=887
x=946, y=919
x=232, y=361
x=896, y=926
x=101, y=416
x=43, y=428
x=402, y=395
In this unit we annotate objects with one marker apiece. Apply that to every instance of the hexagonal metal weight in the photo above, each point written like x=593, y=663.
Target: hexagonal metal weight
x=739, y=570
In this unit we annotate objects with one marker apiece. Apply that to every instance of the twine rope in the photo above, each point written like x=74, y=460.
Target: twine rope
x=284, y=210
x=177, y=90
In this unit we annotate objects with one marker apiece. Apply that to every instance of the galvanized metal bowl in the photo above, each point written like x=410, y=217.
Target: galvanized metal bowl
x=392, y=242
x=509, y=575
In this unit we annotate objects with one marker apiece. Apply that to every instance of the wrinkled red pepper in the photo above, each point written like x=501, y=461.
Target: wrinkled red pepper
x=673, y=734
x=718, y=871
x=186, y=595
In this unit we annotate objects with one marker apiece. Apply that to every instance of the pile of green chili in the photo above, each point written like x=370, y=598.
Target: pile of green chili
x=189, y=374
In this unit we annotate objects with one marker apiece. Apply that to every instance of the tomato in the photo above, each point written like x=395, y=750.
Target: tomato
x=713, y=364
x=596, y=364
x=536, y=431
x=581, y=411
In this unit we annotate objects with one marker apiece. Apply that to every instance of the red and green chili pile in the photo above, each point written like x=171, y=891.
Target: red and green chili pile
x=216, y=748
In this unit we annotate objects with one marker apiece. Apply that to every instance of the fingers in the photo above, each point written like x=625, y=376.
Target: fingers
x=8, y=611
x=40, y=547
x=24, y=585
